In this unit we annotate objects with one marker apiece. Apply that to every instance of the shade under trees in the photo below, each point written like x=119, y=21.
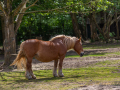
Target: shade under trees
x=12, y=12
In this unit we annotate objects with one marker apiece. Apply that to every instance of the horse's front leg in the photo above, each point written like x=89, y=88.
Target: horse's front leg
x=60, y=67
x=55, y=68
x=29, y=73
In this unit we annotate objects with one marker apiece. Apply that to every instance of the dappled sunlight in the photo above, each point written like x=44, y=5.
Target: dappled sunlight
x=76, y=76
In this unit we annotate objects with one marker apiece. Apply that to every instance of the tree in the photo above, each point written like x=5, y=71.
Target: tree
x=12, y=15
x=12, y=20
x=109, y=17
x=75, y=25
x=12, y=12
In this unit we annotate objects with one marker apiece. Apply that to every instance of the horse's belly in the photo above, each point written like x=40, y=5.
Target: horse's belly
x=46, y=58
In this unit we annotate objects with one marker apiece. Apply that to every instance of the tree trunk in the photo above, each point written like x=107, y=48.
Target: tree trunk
x=94, y=35
x=3, y=32
x=75, y=25
x=9, y=28
x=92, y=28
x=105, y=29
x=117, y=24
x=9, y=42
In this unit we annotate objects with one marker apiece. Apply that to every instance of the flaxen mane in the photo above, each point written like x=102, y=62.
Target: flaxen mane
x=67, y=40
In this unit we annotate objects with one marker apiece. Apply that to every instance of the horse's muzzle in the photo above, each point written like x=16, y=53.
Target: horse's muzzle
x=81, y=54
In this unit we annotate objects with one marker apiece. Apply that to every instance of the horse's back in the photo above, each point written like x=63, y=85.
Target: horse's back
x=30, y=47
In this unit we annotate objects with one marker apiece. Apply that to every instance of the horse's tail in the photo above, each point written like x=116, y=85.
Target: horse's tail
x=20, y=60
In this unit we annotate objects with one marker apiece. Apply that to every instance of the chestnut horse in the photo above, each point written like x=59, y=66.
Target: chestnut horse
x=46, y=51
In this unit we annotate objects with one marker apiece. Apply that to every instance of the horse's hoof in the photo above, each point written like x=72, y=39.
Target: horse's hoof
x=61, y=75
x=55, y=75
x=29, y=78
x=34, y=77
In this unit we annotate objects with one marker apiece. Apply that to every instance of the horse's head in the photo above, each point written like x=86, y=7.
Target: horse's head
x=78, y=47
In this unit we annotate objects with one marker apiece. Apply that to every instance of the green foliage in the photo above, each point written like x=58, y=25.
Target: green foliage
x=88, y=6
x=59, y=21
x=15, y=3
x=101, y=37
x=111, y=34
x=45, y=25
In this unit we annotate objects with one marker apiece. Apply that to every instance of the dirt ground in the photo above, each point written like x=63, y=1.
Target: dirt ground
x=73, y=62
x=98, y=87
x=80, y=61
x=77, y=63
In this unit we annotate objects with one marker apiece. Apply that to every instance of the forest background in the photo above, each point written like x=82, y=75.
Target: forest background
x=96, y=20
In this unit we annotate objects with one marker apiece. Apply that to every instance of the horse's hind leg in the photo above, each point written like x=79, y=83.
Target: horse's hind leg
x=60, y=67
x=55, y=68
x=29, y=73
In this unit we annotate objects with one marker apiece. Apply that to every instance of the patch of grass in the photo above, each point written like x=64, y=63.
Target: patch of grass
x=111, y=63
x=97, y=54
x=73, y=78
x=117, y=53
x=94, y=55
x=100, y=46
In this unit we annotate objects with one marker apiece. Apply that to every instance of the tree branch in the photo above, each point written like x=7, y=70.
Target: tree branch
x=106, y=24
x=21, y=5
x=19, y=20
x=20, y=16
x=57, y=9
x=118, y=18
x=2, y=9
x=93, y=16
x=32, y=4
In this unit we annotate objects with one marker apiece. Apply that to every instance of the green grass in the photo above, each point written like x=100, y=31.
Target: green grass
x=107, y=63
x=73, y=78
x=94, y=55
x=105, y=46
x=97, y=54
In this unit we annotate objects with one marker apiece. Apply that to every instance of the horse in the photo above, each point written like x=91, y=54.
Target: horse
x=46, y=51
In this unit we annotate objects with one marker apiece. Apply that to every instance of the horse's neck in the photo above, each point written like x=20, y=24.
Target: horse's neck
x=69, y=45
